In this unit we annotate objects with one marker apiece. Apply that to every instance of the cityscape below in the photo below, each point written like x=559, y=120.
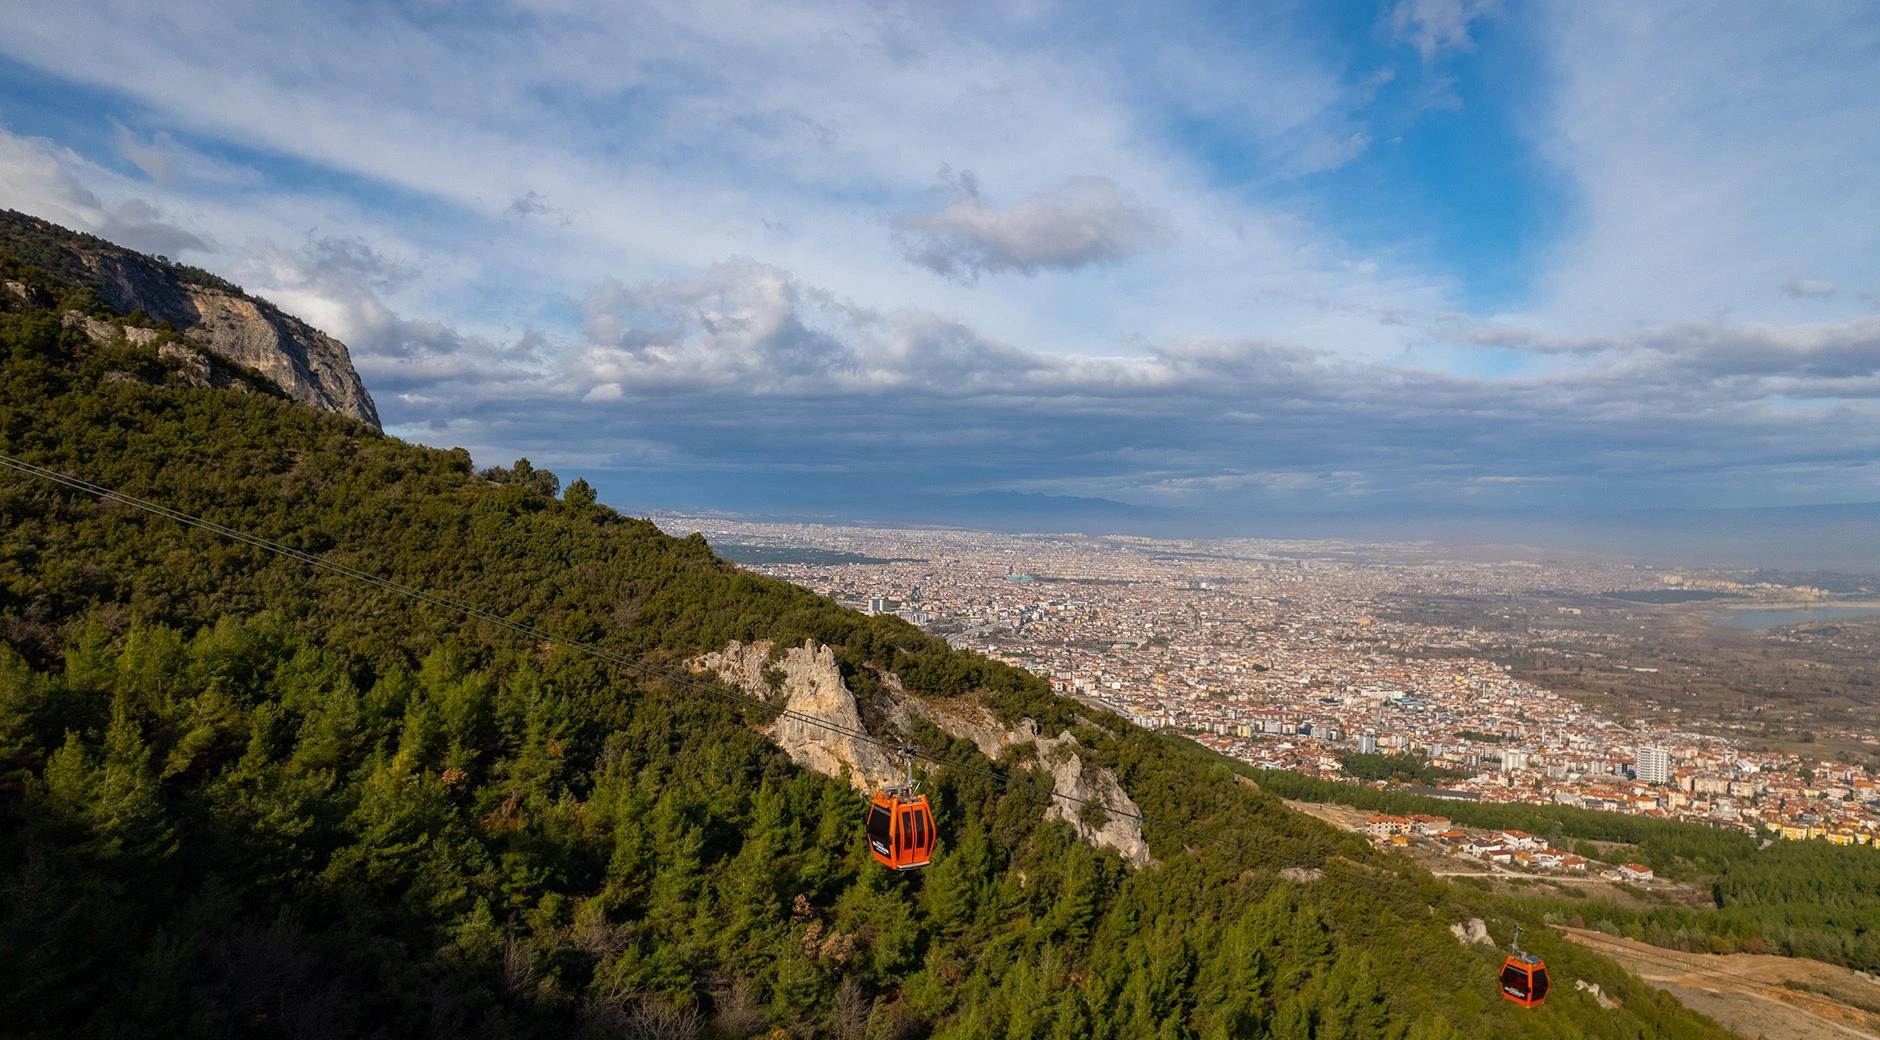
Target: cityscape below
x=1336, y=660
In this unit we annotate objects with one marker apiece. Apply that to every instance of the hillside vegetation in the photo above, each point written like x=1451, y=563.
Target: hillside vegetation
x=240, y=796
x=1800, y=899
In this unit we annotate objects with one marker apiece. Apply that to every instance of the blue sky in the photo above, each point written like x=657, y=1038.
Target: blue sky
x=1231, y=258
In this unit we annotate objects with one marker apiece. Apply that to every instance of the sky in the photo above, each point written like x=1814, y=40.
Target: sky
x=1239, y=260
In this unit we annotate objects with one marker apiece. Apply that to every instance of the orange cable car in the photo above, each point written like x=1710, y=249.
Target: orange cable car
x=900, y=825
x=1523, y=976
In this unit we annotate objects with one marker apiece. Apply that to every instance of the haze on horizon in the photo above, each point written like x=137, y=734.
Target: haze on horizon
x=1550, y=266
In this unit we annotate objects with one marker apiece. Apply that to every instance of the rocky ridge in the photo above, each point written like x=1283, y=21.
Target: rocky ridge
x=809, y=683
x=189, y=365
x=807, y=680
x=308, y=365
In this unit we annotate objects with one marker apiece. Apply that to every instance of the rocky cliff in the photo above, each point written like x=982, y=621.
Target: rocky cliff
x=807, y=681
x=307, y=364
x=1085, y=788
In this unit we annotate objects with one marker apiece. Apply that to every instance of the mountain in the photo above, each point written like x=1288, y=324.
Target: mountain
x=210, y=312
x=1021, y=511
x=240, y=796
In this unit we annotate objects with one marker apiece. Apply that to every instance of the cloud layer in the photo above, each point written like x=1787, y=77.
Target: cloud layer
x=696, y=251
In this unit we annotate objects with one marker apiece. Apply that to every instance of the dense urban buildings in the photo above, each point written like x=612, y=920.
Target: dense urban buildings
x=1289, y=655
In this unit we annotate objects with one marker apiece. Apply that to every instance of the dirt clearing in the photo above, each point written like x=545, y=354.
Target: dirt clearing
x=1780, y=998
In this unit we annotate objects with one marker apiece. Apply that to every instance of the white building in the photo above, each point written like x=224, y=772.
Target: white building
x=1654, y=765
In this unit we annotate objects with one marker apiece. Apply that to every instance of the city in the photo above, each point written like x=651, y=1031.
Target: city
x=1295, y=655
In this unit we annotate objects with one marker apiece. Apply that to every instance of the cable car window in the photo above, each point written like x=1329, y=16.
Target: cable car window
x=879, y=819
x=1540, y=987
x=1514, y=980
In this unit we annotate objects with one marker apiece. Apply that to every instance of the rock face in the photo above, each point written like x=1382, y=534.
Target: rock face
x=1598, y=995
x=106, y=332
x=807, y=680
x=1473, y=932
x=810, y=685
x=192, y=366
x=310, y=366
x=1087, y=787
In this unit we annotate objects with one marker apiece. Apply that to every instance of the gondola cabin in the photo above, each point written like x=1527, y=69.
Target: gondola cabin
x=1524, y=979
x=900, y=830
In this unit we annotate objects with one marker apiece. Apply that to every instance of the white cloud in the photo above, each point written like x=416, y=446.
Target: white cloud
x=152, y=157
x=786, y=135
x=468, y=181
x=1811, y=288
x=1079, y=222
x=43, y=178
x=1713, y=150
x=1435, y=26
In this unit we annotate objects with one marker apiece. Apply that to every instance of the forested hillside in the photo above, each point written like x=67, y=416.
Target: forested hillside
x=242, y=796
x=1800, y=899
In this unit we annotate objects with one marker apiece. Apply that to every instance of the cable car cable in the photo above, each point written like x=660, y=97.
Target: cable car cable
x=592, y=650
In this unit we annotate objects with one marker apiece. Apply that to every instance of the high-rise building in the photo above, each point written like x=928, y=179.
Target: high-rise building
x=1367, y=743
x=877, y=604
x=1654, y=765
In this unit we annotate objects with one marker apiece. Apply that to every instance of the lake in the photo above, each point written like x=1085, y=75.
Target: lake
x=758, y=555
x=1670, y=595
x=1754, y=619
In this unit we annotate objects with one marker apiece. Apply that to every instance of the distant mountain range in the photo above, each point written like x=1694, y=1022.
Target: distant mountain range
x=1840, y=537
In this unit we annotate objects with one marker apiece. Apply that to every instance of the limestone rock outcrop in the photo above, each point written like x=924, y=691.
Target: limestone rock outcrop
x=1472, y=932
x=193, y=367
x=308, y=365
x=809, y=683
x=1599, y=995
x=1087, y=786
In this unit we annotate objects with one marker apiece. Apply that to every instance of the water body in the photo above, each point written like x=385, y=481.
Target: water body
x=782, y=554
x=1670, y=595
x=1778, y=618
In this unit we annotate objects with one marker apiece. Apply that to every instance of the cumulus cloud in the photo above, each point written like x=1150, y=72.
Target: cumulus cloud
x=757, y=373
x=682, y=137
x=343, y=284
x=1808, y=288
x=141, y=225
x=45, y=179
x=1435, y=26
x=1081, y=221
x=152, y=157
x=753, y=326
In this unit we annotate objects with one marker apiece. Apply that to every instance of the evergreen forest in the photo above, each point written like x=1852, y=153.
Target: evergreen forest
x=240, y=796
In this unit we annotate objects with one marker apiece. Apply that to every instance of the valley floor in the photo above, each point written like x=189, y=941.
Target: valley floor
x=1779, y=998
